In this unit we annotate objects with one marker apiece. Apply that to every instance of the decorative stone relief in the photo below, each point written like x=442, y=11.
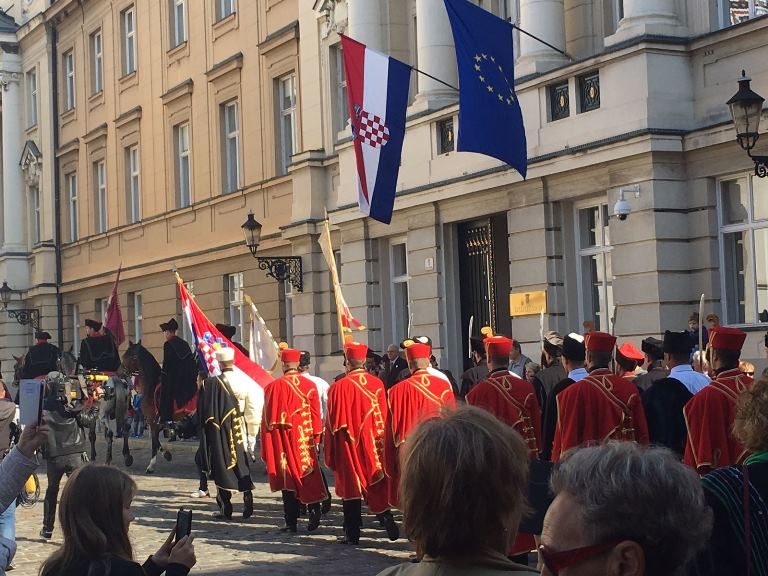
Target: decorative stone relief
x=7, y=77
x=335, y=12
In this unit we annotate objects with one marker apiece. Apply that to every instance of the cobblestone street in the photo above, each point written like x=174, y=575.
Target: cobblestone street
x=253, y=546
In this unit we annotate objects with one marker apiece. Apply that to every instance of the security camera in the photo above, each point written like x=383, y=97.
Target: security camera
x=622, y=208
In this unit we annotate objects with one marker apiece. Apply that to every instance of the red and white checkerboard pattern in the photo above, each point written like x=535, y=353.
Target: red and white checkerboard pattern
x=209, y=354
x=372, y=130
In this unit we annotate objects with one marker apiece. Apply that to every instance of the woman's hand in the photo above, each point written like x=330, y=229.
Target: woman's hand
x=183, y=553
x=33, y=436
x=164, y=553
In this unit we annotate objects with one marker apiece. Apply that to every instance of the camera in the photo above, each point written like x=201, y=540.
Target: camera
x=67, y=391
x=622, y=209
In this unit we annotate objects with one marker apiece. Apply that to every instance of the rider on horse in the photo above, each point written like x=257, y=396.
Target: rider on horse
x=98, y=350
x=41, y=358
x=179, y=374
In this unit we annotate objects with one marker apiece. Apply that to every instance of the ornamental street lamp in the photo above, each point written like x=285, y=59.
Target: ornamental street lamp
x=281, y=268
x=746, y=108
x=24, y=316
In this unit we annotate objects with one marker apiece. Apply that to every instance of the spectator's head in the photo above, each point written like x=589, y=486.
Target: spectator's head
x=433, y=362
x=713, y=321
x=393, y=352
x=305, y=359
x=516, y=351
x=468, y=471
x=693, y=321
x=531, y=369
x=653, y=348
x=677, y=348
x=574, y=352
x=751, y=423
x=95, y=513
x=551, y=349
x=623, y=510
x=747, y=368
x=599, y=347
x=700, y=363
x=478, y=350
x=725, y=344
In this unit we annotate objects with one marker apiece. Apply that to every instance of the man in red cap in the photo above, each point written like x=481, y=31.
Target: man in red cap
x=354, y=444
x=628, y=358
x=290, y=433
x=709, y=415
x=418, y=398
x=600, y=407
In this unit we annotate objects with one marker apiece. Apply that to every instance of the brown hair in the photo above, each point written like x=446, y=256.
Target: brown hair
x=91, y=516
x=751, y=423
x=467, y=471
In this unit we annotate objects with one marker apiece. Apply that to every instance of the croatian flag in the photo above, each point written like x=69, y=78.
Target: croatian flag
x=208, y=339
x=377, y=88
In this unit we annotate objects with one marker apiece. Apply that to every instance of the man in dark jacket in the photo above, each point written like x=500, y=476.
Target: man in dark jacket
x=394, y=364
x=41, y=358
x=98, y=350
x=179, y=374
x=66, y=448
x=656, y=370
x=552, y=369
x=479, y=370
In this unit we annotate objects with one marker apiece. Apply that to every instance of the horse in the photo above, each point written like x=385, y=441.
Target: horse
x=139, y=360
x=112, y=406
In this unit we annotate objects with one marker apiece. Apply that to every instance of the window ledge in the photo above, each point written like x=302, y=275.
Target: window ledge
x=31, y=129
x=95, y=100
x=129, y=80
x=226, y=25
x=177, y=52
x=68, y=116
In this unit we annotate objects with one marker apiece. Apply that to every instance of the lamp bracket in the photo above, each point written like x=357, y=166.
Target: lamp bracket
x=283, y=269
x=761, y=165
x=25, y=316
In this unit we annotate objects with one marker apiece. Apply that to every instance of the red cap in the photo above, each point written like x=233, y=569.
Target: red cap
x=355, y=351
x=496, y=346
x=416, y=350
x=722, y=338
x=289, y=355
x=599, y=341
x=630, y=351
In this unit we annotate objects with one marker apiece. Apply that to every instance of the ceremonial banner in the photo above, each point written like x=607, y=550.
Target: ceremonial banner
x=490, y=119
x=113, y=317
x=377, y=89
x=346, y=321
x=262, y=346
x=208, y=339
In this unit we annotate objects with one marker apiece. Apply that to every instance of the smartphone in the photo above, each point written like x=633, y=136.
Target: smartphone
x=31, y=395
x=183, y=524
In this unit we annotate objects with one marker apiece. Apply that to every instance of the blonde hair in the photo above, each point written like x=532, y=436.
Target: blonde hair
x=468, y=472
x=747, y=367
x=751, y=422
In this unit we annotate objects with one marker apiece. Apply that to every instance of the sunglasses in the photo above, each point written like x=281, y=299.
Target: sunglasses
x=556, y=561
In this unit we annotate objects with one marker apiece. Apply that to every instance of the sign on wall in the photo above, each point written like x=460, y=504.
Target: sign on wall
x=527, y=303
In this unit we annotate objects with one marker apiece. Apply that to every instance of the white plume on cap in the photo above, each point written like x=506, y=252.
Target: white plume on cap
x=225, y=354
x=577, y=337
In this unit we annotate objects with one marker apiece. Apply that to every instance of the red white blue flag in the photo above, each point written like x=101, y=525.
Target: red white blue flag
x=377, y=89
x=208, y=339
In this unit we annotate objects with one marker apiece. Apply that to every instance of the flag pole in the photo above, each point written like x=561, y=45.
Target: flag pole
x=701, y=334
x=555, y=48
x=335, y=282
x=435, y=79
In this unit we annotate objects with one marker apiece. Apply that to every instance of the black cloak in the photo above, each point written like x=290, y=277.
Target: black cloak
x=663, y=404
x=178, y=377
x=41, y=359
x=99, y=353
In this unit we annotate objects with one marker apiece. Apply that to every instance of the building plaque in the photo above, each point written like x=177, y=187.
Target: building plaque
x=527, y=303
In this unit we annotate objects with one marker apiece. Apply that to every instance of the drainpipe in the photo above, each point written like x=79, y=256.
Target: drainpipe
x=53, y=39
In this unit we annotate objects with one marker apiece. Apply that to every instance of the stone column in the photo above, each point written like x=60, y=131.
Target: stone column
x=364, y=18
x=544, y=19
x=13, y=184
x=643, y=17
x=436, y=55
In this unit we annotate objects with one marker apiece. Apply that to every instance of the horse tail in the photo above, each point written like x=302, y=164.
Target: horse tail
x=122, y=398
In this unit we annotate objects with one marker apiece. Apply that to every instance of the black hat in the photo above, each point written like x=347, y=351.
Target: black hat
x=653, y=347
x=42, y=336
x=170, y=326
x=93, y=324
x=573, y=348
x=305, y=358
x=766, y=339
x=420, y=340
x=677, y=343
x=226, y=330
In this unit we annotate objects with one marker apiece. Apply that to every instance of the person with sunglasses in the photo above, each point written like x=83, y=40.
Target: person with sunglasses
x=623, y=510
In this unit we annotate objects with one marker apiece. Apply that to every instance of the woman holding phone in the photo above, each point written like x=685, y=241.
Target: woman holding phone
x=95, y=514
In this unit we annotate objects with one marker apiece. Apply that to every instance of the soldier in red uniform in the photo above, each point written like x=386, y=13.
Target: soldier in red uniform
x=513, y=401
x=354, y=444
x=600, y=407
x=291, y=428
x=709, y=415
x=418, y=398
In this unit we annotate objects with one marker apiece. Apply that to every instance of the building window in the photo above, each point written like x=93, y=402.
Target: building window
x=589, y=92
x=559, y=101
x=445, y=137
x=138, y=315
x=236, y=302
x=225, y=8
x=594, y=266
x=69, y=79
x=735, y=11
x=72, y=203
x=497, y=7
x=100, y=306
x=286, y=97
x=230, y=152
x=186, y=331
x=744, y=249
x=341, y=107
x=97, y=62
x=100, y=178
x=178, y=22
x=401, y=303
x=75, y=315
x=32, y=98
x=128, y=17
x=133, y=184
x=36, y=225
x=182, y=147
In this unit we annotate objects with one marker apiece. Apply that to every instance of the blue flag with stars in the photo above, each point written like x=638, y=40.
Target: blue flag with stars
x=490, y=119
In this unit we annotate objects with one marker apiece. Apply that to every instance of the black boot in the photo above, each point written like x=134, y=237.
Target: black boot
x=224, y=500
x=49, y=514
x=388, y=521
x=247, y=504
x=314, y=517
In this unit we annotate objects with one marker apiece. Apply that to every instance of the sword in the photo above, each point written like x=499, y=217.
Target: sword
x=701, y=334
x=469, y=337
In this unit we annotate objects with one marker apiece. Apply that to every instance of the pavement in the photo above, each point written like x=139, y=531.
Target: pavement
x=239, y=547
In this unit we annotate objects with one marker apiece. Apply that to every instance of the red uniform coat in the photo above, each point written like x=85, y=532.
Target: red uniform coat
x=354, y=438
x=599, y=408
x=513, y=401
x=709, y=416
x=290, y=432
x=411, y=401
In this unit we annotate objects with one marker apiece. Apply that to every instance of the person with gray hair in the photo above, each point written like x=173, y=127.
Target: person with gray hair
x=623, y=510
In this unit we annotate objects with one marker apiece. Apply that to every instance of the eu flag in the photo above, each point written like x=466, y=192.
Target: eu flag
x=490, y=119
